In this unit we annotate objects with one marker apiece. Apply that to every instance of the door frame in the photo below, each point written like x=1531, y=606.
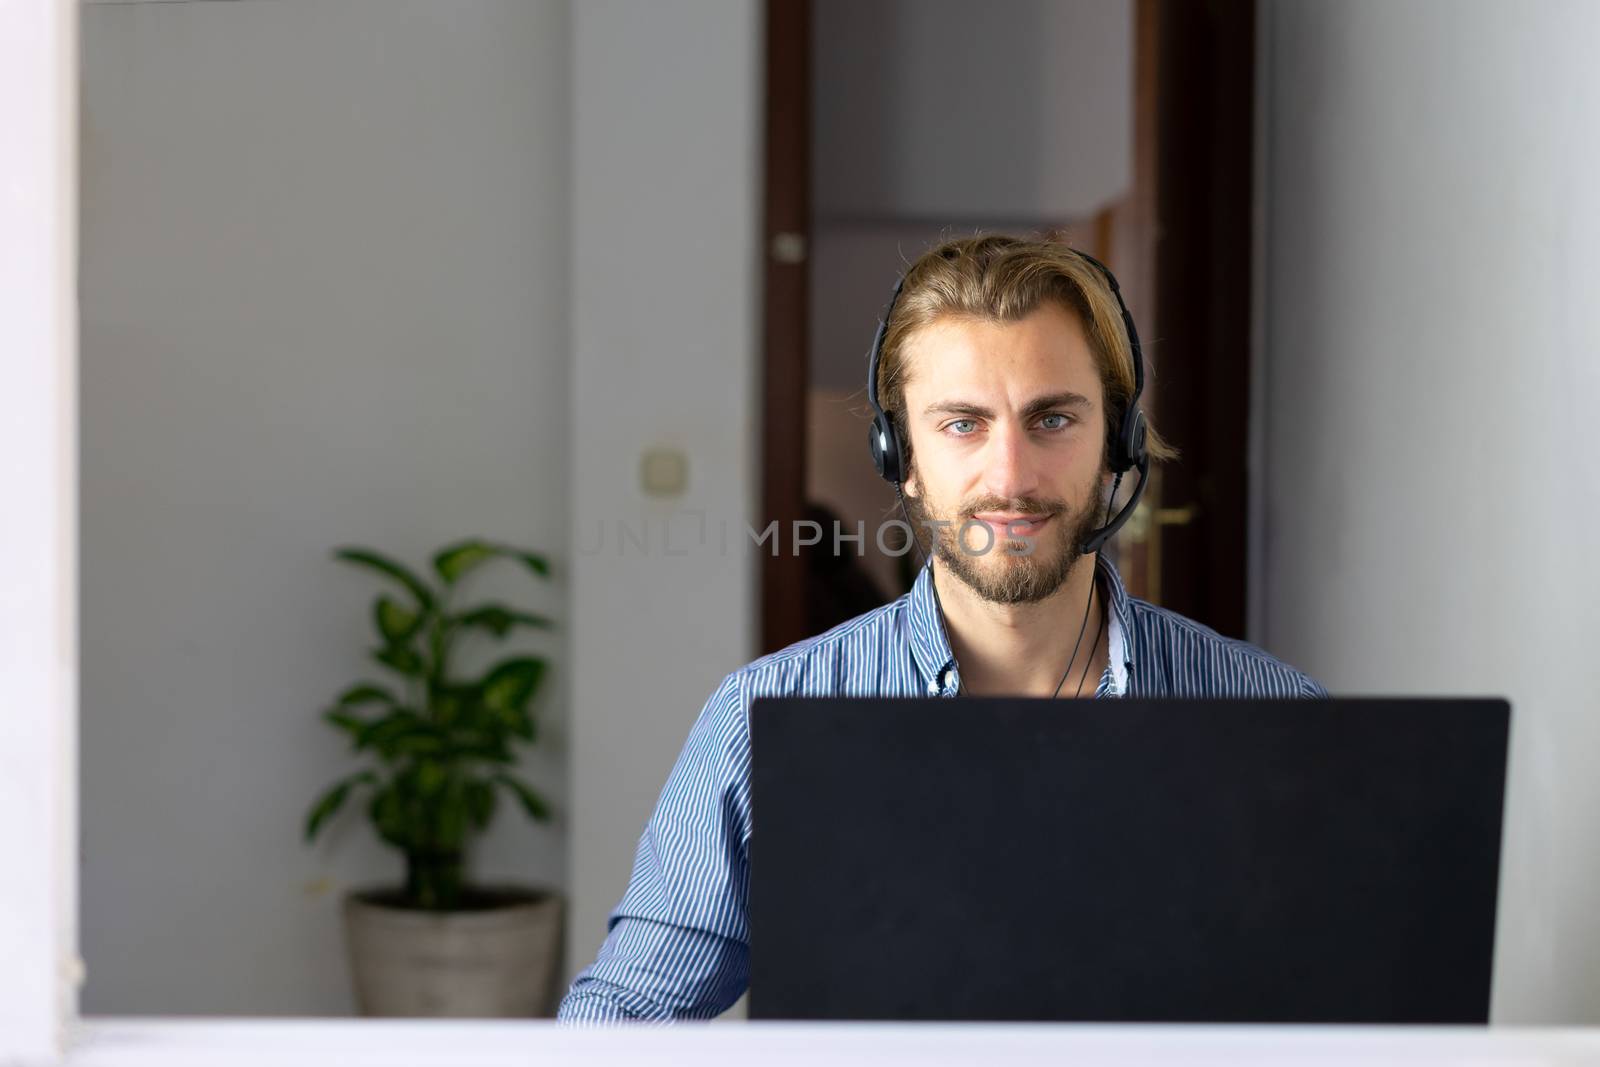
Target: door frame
x=786, y=240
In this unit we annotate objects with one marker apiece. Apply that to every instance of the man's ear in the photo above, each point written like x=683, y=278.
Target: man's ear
x=909, y=487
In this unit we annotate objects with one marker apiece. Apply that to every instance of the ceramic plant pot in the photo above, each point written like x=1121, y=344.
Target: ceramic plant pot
x=497, y=958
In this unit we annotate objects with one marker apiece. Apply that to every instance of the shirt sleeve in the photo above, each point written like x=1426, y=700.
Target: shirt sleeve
x=677, y=945
x=1312, y=689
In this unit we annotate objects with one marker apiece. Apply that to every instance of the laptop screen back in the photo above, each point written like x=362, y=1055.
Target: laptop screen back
x=1328, y=861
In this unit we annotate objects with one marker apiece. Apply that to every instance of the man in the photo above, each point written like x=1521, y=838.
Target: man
x=1009, y=388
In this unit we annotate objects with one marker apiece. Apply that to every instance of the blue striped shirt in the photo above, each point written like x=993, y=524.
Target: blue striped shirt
x=678, y=946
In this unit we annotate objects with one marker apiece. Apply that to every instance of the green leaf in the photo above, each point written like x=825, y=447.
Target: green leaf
x=332, y=800
x=500, y=620
x=396, y=724
x=456, y=560
x=478, y=746
x=383, y=565
x=511, y=683
x=535, y=562
x=452, y=819
x=350, y=724
x=422, y=742
x=532, y=802
x=480, y=798
x=395, y=622
x=521, y=723
x=446, y=703
x=402, y=659
x=388, y=814
x=430, y=777
x=364, y=693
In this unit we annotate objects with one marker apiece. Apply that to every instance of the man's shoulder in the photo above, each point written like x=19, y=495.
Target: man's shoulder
x=1183, y=657
x=823, y=664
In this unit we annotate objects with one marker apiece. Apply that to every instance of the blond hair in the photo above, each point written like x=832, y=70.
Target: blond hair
x=1005, y=279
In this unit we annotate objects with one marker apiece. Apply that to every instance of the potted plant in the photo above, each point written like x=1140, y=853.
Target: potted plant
x=439, y=749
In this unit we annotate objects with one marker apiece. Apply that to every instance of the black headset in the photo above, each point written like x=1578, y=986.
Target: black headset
x=1128, y=449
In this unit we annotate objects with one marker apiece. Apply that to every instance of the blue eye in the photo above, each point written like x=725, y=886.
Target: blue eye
x=1060, y=421
x=956, y=427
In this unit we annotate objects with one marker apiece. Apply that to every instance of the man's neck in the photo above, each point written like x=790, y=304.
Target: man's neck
x=1022, y=649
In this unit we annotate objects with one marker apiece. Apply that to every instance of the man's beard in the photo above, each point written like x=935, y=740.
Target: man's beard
x=1007, y=573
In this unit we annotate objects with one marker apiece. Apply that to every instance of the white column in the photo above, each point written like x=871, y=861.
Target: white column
x=666, y=289
x=38, y=525
x=1432, y=368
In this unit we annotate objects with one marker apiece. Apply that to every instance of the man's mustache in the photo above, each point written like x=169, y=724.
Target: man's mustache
x=1018, y=505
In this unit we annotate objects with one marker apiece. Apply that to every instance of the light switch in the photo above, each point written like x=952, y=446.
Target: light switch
x=664, y=472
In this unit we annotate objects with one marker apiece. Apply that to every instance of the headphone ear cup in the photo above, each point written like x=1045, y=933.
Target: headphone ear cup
x=885, y=448
x=1132, y=442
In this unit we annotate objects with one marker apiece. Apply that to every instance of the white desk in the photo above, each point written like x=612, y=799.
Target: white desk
x=113, y=1042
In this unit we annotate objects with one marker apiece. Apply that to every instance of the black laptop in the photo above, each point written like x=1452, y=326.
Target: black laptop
x=1325, y=861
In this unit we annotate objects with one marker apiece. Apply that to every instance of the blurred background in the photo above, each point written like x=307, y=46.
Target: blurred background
x=556, y=273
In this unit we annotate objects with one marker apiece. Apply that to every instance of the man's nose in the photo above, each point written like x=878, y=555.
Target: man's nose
x=1011, y=469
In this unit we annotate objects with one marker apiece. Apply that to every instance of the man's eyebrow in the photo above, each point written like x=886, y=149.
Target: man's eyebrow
x=1035, y=406
x=1056, y=400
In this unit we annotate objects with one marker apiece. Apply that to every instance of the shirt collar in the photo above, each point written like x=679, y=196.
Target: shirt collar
x=930, y=646
x=1119, y=630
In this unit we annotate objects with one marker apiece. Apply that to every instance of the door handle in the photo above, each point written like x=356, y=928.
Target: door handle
x=1145, y=517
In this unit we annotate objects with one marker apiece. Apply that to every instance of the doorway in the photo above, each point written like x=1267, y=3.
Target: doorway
x=878, y=146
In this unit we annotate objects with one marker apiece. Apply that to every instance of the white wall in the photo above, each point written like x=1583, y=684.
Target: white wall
x=325, y=299
x=948, y=110
x=1432, y=362
x=666, y=197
